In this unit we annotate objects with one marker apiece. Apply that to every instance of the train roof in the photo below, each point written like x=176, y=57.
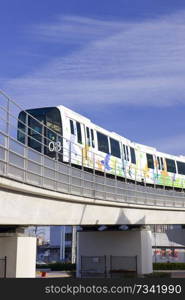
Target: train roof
x=71, y=113
x=78, y=117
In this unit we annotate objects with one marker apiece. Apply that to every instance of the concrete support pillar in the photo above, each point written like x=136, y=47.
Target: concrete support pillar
x=20, y=251
x=135, y=243
x=73, y=252
x=146, y=255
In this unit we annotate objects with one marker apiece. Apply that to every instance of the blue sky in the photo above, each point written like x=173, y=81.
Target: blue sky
x=119, y=62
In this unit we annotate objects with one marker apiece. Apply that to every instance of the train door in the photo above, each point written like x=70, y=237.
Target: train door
x=87, y=137
x=126, y=160
x=88, y=155
x=76, y=142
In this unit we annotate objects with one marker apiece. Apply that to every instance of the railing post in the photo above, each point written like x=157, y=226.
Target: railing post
x=7, y=138
x=105, y=183
x=94, y=162
x=135, y=175
x=82, y=175
x=125, y=168
x=94, y=176
x=70, y=153
x=6, y=154
x=70, y=168
x=8, y=117
x=115, y=183
x=42, y=170
x=5, y=266
x=42, y=140
x=56, y=174
x=25, y=163
x=26, y=131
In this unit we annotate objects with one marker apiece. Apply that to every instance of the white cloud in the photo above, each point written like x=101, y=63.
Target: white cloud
x=116, y=62
x=75, y=29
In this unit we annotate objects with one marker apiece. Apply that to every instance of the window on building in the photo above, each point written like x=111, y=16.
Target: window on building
x=170, y=163
x=150, y=161
x=72, y=127
x=115, y=148
x=79, y=133
x=102, y=142
x=181, y=167
x=133, y=155
x=68, y=236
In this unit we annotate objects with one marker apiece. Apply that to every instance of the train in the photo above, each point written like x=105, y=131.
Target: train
x=69, y=137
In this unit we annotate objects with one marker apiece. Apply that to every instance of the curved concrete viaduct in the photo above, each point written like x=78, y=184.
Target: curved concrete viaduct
x=29, y=205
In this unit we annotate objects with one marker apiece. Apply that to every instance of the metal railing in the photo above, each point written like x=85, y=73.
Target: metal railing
x=3, y=264
x=93, y=266
x=58, y=173
x=123, y=263
x=107, y=266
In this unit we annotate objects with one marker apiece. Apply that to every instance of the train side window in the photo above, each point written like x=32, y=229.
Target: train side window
x=125, y=150
x=181, y=167
x=92, y=138
x=115, y=148
x=79, y=133
x=170, y=163
x=133, y=155
x=102, y=142
x=35, y=134
x=127, y=153
x=72, y=127
x=150, y=161
x=162, y=164
x=88, y=136
x=158, y=162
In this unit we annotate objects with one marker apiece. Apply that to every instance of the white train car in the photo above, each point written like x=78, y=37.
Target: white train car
x=72, y=138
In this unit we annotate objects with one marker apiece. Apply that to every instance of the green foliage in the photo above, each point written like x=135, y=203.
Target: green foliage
x=169, y=266
x=158, y=275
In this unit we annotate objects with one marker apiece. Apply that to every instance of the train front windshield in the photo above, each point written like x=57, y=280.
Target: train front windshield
x=36, y=135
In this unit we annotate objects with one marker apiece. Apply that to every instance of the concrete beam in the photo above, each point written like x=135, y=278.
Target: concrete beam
x=29, y=205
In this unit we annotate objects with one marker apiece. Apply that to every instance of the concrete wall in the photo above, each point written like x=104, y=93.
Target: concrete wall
x=21, y=255
x=116, y=243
